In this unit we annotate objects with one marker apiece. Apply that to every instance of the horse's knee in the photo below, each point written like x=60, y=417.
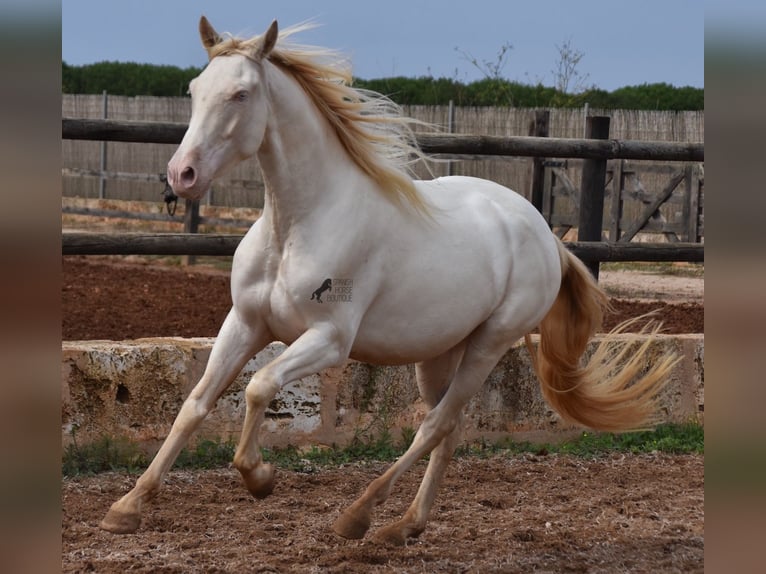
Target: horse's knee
x=193, y=411
x=261, y=389
x=437, y=427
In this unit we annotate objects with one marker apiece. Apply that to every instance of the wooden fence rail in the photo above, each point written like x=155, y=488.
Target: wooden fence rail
x=77, y=243
x=588, y=249
x=522, y=146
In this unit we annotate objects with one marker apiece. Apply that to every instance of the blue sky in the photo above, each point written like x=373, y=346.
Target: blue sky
x=624, y=43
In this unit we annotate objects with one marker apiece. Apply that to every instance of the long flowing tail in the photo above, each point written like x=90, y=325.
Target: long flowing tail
x=613, y=391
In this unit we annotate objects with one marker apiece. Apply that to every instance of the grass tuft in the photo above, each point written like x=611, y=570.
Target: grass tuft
x=106, y=454
x=686, y=438
x=110, y=454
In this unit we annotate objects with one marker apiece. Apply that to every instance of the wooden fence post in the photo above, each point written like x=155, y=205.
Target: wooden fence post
x=692, y=203
x=618, y=182
x=102, y=178
x=591, y=216
x=450, y=130
x=539, y=129
x=191, y=225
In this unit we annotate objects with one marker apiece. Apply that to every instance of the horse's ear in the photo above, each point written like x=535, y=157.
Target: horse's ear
x=207, y=34
x=267, y=42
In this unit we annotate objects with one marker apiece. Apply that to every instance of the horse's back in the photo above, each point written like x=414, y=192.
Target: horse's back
x=529, y=238
x=456, y=190
x=486, y=205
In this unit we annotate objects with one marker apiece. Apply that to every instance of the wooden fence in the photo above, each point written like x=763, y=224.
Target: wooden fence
x=456, y=144
x=243, y=185
x=595, y=151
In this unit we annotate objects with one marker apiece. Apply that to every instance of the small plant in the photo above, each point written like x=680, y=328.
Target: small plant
x=408, y=435
x=107, y=453
x=685, y=438
x=207, y=454
x=110, y=454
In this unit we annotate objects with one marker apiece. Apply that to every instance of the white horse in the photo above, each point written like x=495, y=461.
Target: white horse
x=447, y=274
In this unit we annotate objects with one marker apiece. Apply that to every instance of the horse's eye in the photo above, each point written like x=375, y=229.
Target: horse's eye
x=240, y=96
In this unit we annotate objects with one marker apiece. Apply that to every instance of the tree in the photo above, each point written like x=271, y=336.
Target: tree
x=130, y=79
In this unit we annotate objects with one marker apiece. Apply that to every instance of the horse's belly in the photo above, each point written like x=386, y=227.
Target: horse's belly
x=402, y=349
x=415, y=328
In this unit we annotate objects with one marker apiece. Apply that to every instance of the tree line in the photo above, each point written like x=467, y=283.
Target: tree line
x=131, y=79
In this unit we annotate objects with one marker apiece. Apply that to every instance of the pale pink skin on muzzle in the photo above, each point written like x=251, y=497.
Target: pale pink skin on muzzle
x=183, y=178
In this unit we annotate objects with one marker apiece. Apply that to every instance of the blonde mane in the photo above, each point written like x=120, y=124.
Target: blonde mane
x=370, y=126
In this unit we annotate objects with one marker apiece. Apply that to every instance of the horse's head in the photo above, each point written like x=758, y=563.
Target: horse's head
x=229, y=111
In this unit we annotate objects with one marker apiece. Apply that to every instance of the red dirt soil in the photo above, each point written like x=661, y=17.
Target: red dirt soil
x=550, y=513
x=555, y=513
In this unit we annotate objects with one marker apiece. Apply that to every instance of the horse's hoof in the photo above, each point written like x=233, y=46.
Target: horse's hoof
x=351, y=526
x=390, y=535
x=260, y=480
x=397, y=534
x=120, y=522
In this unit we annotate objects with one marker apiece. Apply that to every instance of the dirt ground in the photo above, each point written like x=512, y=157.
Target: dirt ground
x=542, y=513
x=530, y=513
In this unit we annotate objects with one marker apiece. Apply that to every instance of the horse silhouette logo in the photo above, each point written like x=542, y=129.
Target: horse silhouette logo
x=326, y=286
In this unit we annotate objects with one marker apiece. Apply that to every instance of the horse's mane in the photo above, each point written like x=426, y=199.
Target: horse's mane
x=370, y=126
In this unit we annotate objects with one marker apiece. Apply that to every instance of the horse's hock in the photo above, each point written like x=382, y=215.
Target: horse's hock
x=133, y=390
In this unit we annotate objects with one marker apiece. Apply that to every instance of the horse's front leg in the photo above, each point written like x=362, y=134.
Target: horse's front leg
x=235, y=345
x=315, y=350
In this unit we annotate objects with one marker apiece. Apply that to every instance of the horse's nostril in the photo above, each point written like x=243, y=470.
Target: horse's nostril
x=188, y=176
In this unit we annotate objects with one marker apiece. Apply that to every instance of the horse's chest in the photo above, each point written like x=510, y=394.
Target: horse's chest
x=287, y=317
x=294, y=287
x=288, y=306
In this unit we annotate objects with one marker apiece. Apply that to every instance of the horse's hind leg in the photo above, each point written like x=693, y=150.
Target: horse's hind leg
x=235, y=345
x=434, y=377
x=483, y=349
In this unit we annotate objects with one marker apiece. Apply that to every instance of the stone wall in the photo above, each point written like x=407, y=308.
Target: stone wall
x=133, y=390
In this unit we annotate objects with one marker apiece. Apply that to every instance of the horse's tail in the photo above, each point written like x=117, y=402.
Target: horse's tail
x=601, y=394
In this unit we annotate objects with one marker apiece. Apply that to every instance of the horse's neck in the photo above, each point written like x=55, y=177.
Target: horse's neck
x=303, y=163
